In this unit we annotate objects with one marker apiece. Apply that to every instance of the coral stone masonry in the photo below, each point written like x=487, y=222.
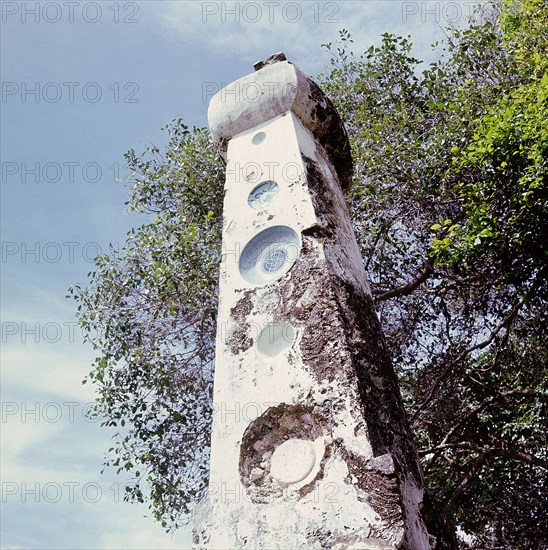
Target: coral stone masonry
x=310, y=447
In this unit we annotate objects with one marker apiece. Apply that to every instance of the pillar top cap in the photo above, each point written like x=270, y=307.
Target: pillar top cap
x=277, y=87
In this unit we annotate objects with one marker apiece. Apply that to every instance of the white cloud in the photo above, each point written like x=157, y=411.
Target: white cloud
x=51, y=461
x=42, y=349
x=45, y=368
x=145, y=537
x=253, y=30
x=19, y=436
x=240, y=28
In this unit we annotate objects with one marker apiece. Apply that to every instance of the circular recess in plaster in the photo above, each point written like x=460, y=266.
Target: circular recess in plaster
x=264, y=450
x=269, y=255
x=263, y=194
x=258, y=138
x=292, y=461
x=275, y=338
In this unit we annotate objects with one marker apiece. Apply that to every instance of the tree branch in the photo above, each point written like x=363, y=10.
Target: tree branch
x=478, y=463
x=480, y=460
x=514, y=454
x=383, y=294
x=505, y=321
x=485, y=403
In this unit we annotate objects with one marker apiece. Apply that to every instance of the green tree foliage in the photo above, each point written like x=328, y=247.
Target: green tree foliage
x=150, y=312
x=504, y=209
x=449, y=207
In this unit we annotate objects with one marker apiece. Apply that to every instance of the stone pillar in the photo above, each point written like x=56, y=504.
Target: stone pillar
x=310, y=445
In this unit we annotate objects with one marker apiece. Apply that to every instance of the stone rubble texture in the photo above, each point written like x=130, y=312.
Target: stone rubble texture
x=310, y=445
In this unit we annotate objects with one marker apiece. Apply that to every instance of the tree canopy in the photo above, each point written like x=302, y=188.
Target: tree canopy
x=449, y=207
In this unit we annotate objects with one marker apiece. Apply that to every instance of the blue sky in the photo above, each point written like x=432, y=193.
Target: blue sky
x=82, y=83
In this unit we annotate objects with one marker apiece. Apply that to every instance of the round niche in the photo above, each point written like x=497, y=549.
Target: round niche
x=269, y=255
x=263, y=194
x=292, y=461
x=258, y=138
x=283, y=452
x=275, y=338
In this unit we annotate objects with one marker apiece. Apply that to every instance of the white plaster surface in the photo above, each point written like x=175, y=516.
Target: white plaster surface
x=247, y=383
x=258, y=98
x=308, y=497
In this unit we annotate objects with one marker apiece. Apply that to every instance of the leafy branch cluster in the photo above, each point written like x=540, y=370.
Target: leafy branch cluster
x=449, y=206
x=150, y=312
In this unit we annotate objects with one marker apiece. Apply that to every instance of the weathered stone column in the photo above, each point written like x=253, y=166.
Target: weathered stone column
x=310, y=445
